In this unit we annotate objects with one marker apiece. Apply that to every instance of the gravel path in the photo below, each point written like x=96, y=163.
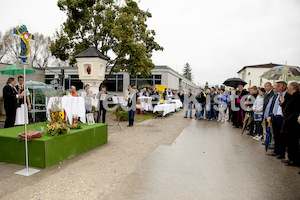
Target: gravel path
x=94, y=174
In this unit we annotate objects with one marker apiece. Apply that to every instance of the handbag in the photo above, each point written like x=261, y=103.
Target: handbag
x=30, y=135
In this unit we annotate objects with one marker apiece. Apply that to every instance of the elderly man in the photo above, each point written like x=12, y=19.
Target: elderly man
x=10, y=96
x=290, y=126
x=276, y=117
x=267, y=96
x=73, y=91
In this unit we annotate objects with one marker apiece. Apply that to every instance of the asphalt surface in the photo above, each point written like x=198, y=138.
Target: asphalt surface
x=211, y=160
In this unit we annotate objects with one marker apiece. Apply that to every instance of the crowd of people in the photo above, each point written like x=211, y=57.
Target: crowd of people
x=252, y=110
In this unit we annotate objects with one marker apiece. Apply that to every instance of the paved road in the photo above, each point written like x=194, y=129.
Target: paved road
x=211, y=160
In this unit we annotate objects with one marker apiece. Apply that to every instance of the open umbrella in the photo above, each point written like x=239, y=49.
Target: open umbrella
x=14, y=70
x=247, y=121
x=286, y=73
x=234, y=82
x=268, y=136
x=36, y=84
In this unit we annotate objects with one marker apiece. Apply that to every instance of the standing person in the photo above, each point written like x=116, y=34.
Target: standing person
x=181, y=96
x=189, y=104
x=200, y=104
x=267, y=96
x=87, y=95
x=290, y=126
x=276, y=117
x=10, y=96
x=102, y=96
x=214, y=104
x=21, y=105
x=127, y=94
x=203, y=100
x=238, y=116
x=231, y=100
x=253, y=94
x=155, y=92
x=73, y=91
x=258, y=114
x=145, y=93
x=165, y=94
x=208, y=105
x=132, y=105
x=223, y=104
x=155, y=97
x=169, y=94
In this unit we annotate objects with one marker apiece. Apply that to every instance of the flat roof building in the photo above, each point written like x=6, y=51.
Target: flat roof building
x=118, y=82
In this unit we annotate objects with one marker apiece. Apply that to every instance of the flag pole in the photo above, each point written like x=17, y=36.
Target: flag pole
x=27, y=171
x=25, y=119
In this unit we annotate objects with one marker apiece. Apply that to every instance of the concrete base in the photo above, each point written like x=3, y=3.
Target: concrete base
x=27, y=172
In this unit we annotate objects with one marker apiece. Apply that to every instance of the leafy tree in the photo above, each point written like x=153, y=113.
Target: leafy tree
x=187, y=71
x=113, y=28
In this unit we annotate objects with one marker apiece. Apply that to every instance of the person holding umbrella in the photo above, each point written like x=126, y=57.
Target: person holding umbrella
x=290, y=126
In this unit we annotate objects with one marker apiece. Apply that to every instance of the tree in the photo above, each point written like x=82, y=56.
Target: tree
x=113, y=28
x=10, y=49
x=40, y=50
x=187, y=71
x=3, y=49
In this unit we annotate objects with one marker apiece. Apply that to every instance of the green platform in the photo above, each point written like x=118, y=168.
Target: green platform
x=47, y=151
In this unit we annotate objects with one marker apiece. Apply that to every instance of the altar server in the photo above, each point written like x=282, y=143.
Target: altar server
x=20, y=102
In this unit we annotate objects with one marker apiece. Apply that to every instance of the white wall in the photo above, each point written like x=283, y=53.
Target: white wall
x=252, y=76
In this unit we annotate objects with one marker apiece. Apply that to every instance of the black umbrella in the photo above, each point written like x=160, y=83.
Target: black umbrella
x=234, y=82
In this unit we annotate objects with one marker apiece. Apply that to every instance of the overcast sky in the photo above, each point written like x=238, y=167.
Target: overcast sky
x=217, y=37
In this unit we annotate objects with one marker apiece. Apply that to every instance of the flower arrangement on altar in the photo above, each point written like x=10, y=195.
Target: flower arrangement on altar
x=57, y=124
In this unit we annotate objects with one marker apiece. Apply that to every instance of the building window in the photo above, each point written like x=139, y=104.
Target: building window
x=115, y=83
x=73, y=80
x=243, y=75
x=151, y=80
x=49, y=78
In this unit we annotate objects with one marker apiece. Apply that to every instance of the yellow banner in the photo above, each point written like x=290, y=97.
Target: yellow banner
x=161, y=89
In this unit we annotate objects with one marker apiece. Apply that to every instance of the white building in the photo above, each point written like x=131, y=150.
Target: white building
x=118, y=82
x=251, y=74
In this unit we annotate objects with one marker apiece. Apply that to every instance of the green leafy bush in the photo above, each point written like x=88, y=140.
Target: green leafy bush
x=145, y=86
x=123, y=115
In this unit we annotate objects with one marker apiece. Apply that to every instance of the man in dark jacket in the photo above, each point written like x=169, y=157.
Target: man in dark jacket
x=290, y=126
x=276, y=117
x=268, y=94
x=201, y=98
x=181, y=96
x=10, y=96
